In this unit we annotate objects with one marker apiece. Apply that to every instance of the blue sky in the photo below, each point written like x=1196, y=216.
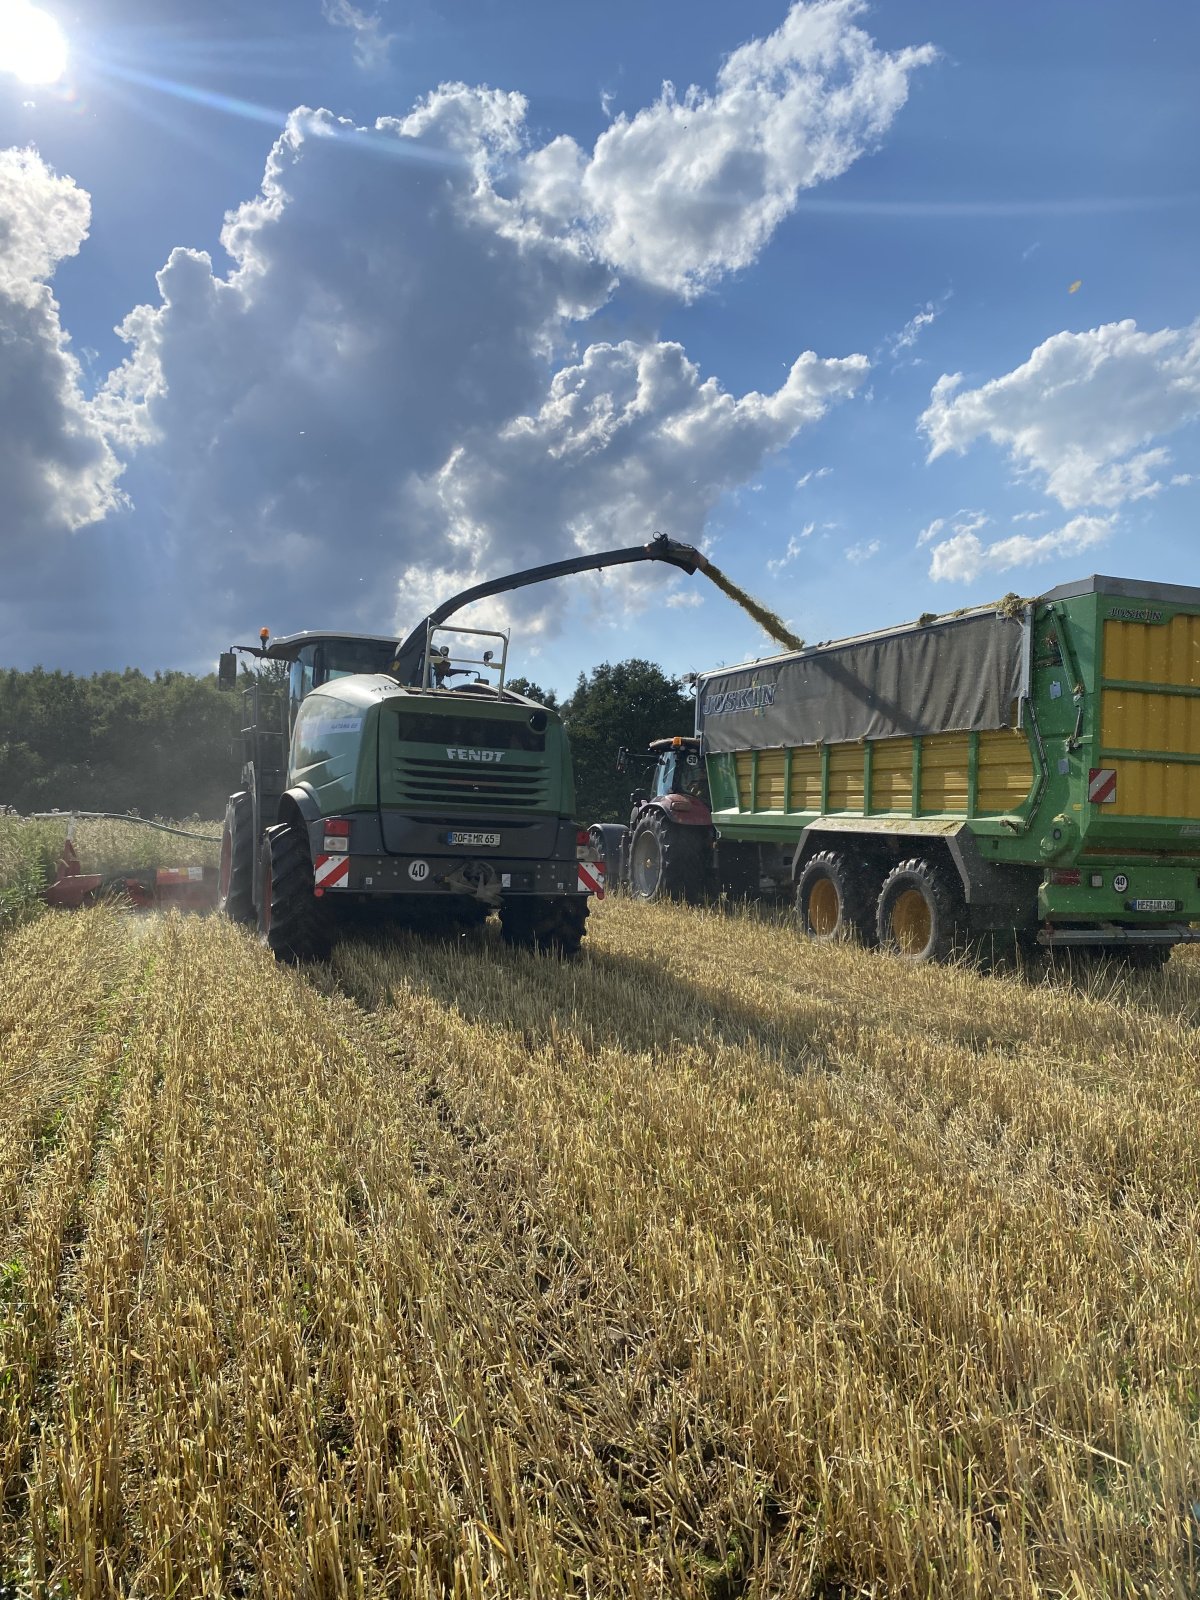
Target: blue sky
x=547, y=304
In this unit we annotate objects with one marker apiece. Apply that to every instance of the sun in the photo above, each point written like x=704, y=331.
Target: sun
x=32, y=45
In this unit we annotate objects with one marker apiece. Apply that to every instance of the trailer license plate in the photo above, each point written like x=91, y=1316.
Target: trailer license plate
x=1152, y=905
x=473, y=840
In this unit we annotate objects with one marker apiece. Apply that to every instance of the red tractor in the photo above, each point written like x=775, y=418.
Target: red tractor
x=666, y=851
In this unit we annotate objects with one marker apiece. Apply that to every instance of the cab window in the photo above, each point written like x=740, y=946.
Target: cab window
x=301, y=676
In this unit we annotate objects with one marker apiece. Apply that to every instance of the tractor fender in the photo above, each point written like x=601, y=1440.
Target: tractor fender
x=684, y=810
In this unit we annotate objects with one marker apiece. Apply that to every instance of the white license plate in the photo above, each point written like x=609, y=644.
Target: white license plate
x=475, y=839
x=1152, y=905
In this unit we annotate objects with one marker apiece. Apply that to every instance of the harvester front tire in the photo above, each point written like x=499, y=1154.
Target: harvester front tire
x=834, y=901
x=290, y=921
x=666, y=861
x=536, y=923
x=235, y=883
x=921, y=916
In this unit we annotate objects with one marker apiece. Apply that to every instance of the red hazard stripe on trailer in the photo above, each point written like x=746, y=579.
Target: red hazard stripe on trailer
x=591, y=878
x=331, y=872
x=1102, y=786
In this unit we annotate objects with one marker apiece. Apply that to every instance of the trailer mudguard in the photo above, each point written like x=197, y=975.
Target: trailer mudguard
x=1002, y=894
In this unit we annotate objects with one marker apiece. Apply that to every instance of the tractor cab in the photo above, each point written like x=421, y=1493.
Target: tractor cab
x=679, y=768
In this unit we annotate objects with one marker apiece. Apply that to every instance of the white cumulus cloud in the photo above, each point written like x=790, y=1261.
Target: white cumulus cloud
x=367, y=409
x=693, y=186
x=965, y=556
x=1082, y=413
x=382, y=386
x=57, y=467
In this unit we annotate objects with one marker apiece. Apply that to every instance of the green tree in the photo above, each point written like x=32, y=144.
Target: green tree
x=116, y=741
x=626, y=704
x=526, y=686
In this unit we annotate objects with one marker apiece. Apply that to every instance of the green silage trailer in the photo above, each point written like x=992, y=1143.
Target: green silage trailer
x=1028, y=770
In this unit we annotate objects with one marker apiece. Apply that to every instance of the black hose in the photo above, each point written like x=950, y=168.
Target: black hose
x=124, y=816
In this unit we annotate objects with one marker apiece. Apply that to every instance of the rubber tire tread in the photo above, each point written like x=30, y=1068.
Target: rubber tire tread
x=298, y=931
x=948, y=913
x=856, y=895
x=682, y=852
x=238, y=904
x=538, y=922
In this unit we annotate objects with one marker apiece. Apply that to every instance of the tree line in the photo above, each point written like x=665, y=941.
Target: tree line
x=168, y=745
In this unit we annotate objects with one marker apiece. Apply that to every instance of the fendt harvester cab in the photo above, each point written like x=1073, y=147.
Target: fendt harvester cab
x=377, y=770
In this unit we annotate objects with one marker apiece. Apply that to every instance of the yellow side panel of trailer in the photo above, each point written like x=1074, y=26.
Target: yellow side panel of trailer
x=770, y=795
x=1161, y=720
x=1132, y=719
x=743, y=764
x=806, y=779
x=845, y=777
x=1154, y=652
x=944, y=758
x=1155, y=789
x=1005, y=772
x=891, y=775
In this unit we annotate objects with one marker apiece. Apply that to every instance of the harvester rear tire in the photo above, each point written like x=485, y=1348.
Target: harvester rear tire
x=668, y=862
x=539, y=923
x=835, y=900
x=921, y=916
x=235, y=883
x=290, y=919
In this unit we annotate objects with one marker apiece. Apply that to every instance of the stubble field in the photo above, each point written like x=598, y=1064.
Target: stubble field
x=712, y=1264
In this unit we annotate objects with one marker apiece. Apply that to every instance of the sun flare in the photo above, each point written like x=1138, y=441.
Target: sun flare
x=32, y=45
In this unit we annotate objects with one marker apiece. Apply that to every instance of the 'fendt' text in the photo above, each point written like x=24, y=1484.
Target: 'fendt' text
x=459, y=753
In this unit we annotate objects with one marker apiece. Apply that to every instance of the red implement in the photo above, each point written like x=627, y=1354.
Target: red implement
x=149, y=889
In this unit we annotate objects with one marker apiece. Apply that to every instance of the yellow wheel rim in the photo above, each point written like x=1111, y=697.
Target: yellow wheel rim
x=912, y=923
x=824, y=908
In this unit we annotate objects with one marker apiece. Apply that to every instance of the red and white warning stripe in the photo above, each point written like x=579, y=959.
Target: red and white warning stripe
x=331, y=872
x=1102, y=786
x=591, y=878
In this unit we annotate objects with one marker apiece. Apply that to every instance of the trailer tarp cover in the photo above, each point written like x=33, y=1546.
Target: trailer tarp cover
x=946, y=677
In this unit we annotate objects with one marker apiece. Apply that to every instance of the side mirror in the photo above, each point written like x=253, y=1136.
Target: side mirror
x=227, y=670
x=621, y=754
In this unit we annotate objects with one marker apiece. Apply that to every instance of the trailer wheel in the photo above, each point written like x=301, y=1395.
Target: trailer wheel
x=539, y=923
x=235, y=882
x=667, y=862
x=834, y=900
x=920, y=914
x=290, y=921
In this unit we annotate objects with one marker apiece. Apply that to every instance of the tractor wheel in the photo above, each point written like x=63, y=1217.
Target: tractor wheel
x=921, y=915
x=667, y=862
x=538, y=923
x=290, y=920
x=835, y=901
x=235, y=882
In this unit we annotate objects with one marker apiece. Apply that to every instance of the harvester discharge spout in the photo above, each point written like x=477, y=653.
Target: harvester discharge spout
x=409, y=665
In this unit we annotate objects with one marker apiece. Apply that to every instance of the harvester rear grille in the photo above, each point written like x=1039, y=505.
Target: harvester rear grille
x=444, y=784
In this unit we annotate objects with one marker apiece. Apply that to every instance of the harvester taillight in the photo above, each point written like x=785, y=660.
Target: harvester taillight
x=337, y=834
x=1066, y=877
x=585, y=850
